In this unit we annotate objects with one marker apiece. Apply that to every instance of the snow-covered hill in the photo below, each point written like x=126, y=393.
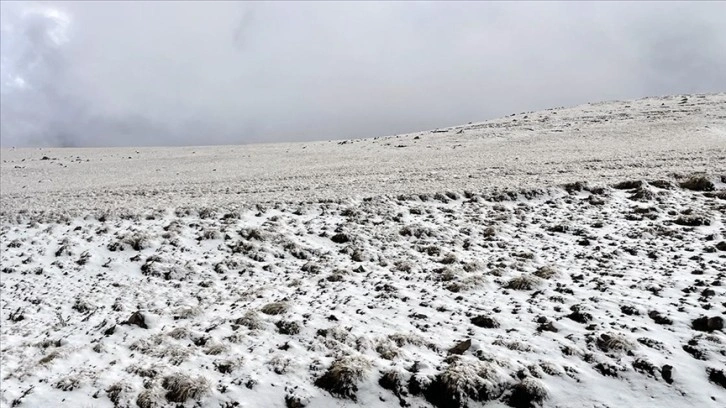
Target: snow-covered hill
x=602, y=143
x=564, y=258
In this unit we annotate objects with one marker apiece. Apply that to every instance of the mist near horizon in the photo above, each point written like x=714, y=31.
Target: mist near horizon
x=185, y=73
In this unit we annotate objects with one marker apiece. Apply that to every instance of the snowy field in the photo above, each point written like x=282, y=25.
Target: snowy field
x=563, y=258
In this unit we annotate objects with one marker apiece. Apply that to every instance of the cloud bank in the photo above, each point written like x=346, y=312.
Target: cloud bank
x=185, y=73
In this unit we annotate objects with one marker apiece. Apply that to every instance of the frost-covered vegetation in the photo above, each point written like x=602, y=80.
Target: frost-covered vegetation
x=457, y=299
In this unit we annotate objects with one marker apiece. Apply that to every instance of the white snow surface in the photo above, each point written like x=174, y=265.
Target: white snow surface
x=598, y=142
x=257, y=276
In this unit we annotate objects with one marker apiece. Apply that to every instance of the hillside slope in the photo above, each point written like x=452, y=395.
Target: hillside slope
x=600, y=142
x=565, y=258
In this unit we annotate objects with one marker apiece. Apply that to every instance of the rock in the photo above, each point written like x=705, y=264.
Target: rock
x=578, y=315
x=659, y=318
x=667, y=372
x=340, y=238
x=629, y=310
x=707, y=324
x=17, y=315
x=716, y=376
x=461, y=347
x=485, y=322
x=721, y=246
x=137, y=319
x=547, y=326
x=707, y=293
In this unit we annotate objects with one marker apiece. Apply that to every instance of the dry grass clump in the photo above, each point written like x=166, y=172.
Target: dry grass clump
x=252, y=234
x=545, y=272
x=116, y=391
x=512, y=345
x=523, y=282
x=149, y=398
x=210, y=233
x=402, y=266
x=158, y=346
x=68, y=383
x=468, y=283
x=207, y=212
x=338, y=334
x=616, y=342
x=628, y=185
x=250, y=320
x=402, y=339
x=392, y=380
x=181, y=387
x=465, y=380
x=48, y=358
x=275, y=308
x=692, y=220
x=387, y=349
x=187, y=312
x=179, y=333
x=137, y=240
x=228, y=366
x=642, y=194
x=279, y=364
x=698, y=183
x=527, y=393
x=215, y=349
x=342, y=377
x=288, y=327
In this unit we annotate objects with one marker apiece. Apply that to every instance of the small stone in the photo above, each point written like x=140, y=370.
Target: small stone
x=461, y=347
x=485, y=322
x=707, y=324
x=137, y=319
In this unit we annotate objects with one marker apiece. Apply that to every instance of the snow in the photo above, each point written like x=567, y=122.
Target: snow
x=379, y=258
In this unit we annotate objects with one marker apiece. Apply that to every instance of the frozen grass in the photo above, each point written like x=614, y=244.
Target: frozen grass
x=182, y=387
x=342, y=377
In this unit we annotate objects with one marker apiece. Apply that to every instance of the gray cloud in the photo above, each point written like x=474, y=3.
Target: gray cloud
x=175, y=73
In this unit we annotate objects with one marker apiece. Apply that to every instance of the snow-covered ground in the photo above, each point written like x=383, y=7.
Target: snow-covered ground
x=580, y=263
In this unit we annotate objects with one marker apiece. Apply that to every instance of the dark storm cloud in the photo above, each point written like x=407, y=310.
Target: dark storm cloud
x=165, y=73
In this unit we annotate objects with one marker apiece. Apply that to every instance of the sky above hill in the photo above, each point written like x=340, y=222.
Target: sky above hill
x=186, y=73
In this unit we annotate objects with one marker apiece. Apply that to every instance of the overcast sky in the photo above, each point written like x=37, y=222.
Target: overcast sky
x=166, y=73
